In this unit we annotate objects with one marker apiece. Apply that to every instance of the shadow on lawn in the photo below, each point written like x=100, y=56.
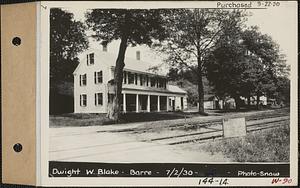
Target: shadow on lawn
x=79, y=120
x=154, y=116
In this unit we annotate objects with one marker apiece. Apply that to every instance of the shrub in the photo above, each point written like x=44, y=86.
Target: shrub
x=263, y=146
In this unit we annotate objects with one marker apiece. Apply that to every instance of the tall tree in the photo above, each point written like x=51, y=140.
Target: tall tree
x=268, y=63
x=132, y=27
x=225, y=64
x=245, y=63
x=193, y=34
x=67, y=39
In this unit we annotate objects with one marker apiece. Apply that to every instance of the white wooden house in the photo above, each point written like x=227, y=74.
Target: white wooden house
x=142, y=90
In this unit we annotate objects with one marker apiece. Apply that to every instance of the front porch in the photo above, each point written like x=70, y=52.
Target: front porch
x=144, y=103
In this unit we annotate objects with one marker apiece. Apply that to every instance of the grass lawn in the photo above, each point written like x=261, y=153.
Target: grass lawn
x=85, y=119
x=263, y=146
x=76, y=120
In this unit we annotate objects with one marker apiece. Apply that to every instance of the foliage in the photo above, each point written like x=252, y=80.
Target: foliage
x=282, y=92
x=141, y=26
x=186, y=80
x=67, y=39
x=264, y=65
x=177, y=74
x=225, y=63
x=193, y=34
x=246, y=63
x=190, y=88
x=267, y=146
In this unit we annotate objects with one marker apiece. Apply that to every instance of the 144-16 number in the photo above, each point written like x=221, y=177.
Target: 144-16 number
x=212, y=181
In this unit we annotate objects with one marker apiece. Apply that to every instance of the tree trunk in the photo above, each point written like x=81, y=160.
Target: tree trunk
x=201, y=94
x=200, y=88
x=248, y=101
x=257, y=100
x=237, y=102
x=114, y=110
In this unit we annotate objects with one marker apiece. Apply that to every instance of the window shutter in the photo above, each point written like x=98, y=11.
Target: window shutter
x=95, y=77
x=80, y=100
x=101, y=77
x=87, y=59
x=95, y=99
x=80, y=80
x=101, y=98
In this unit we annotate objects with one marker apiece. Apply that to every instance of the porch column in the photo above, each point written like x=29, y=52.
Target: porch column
x=148, y=103
x=167, y=103
x=124, y=102
x=137, y=103
x=158, y=103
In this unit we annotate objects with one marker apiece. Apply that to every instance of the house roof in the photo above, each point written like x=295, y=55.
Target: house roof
x=175, y=89
x=209, y=97
x=130, y=63
x=170, y=89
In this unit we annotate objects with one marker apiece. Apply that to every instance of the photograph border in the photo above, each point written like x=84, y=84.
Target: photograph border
x=43, y=109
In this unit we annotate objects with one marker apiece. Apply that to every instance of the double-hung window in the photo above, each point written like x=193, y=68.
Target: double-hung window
x=147, y=80
x=98, y=99
x=136, y=79
x=142, y=80
x=83, y=100
x=82, y=80
x=153, y=82
x=98, y=77
x=130, y=78
x=90, y=59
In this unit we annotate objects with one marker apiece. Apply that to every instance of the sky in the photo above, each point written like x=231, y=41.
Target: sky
x=278, y=22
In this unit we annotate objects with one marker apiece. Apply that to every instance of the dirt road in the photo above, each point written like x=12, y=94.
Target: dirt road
x=91, y=144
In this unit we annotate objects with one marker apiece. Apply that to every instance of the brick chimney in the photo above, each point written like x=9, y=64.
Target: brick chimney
x=138, y=55
x=104, y=46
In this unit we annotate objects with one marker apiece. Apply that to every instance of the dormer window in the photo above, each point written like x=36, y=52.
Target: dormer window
x=82, y=80
x=98, y=77
x=90, y=59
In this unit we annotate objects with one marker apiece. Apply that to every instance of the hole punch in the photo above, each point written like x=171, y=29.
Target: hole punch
x=16, y=41
x=18, y=147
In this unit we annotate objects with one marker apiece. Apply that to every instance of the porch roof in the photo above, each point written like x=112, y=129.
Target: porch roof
x=171, y=89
